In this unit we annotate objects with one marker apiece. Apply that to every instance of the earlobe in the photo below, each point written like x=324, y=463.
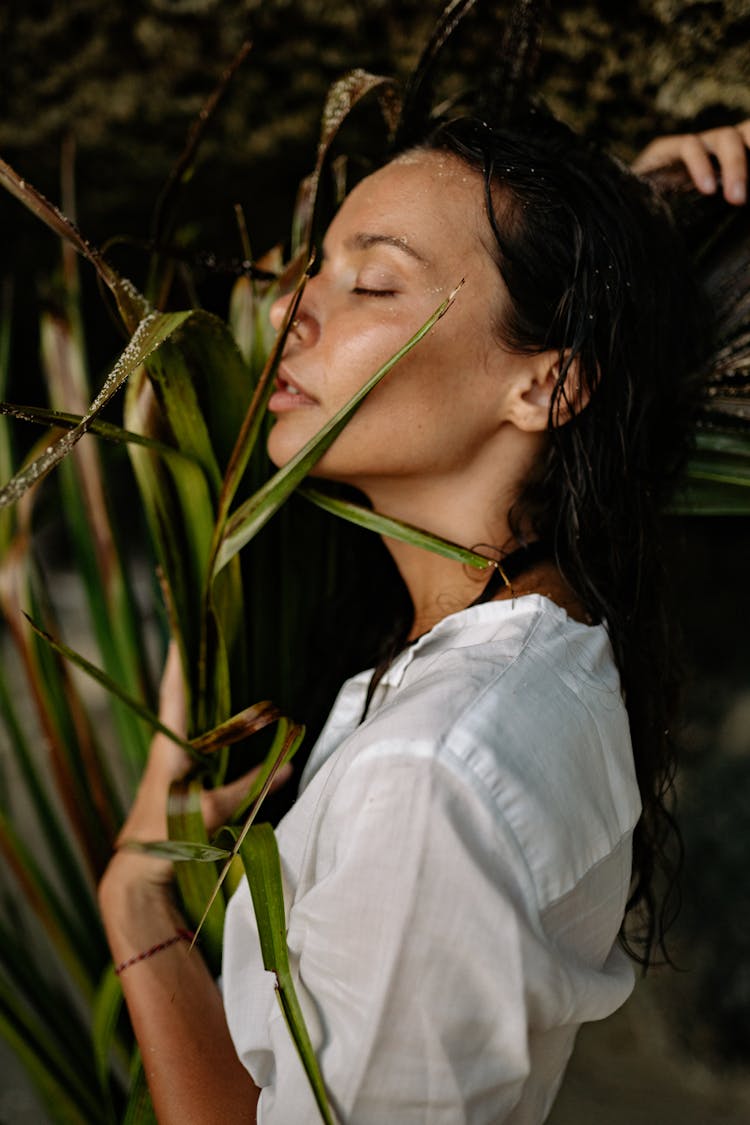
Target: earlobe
x=534, y=390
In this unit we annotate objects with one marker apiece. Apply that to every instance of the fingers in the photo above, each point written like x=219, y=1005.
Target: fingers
x=172, y=702
x=727, y=144
x=686, y=148
x=218, y=805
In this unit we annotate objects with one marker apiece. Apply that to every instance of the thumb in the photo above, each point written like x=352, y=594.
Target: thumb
x=218, y=805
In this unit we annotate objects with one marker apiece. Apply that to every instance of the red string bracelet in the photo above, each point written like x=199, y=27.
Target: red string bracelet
x=179, y=935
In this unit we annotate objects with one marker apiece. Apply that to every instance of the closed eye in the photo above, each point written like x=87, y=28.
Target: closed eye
x=362, y=291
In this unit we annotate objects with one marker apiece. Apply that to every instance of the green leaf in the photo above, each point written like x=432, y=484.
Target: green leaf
x=68, y=1098
x=220, y=376
x=342, y=96
x=235, y=729
x=57, y=840
x=63, y=420
x=255, y=512
x=87, y=514
x=196, y=881
x=44, y=994
x=74, y=949
x=6, y=464
x=260, y=856
x=283, y=750
x=240, y=726
x=394, y=529
x=178, y=505
x=253, y=419
x=178, y=850
x=108, y=683
x=106, y=1014
x=709, y=498
x=150, y=333
x=52, y=217
x=717, y=477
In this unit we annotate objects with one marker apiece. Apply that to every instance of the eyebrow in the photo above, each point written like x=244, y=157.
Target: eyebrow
x=363, y=241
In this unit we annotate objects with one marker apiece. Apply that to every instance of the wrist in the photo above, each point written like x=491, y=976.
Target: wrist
x=135, y=885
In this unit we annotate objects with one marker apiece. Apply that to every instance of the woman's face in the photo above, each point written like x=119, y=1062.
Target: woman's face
x=401, y=242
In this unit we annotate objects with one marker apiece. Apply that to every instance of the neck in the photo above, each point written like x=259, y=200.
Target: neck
x=438, y=586
x=468, y=504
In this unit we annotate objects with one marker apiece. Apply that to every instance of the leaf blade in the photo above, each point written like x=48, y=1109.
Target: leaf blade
x=150, y=333
x=260, y=856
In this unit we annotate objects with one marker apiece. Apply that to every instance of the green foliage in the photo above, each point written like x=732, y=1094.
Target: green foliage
x=194, y=423
x=261, y=858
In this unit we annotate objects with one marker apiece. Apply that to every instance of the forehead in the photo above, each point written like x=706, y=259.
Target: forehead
x=430, y=202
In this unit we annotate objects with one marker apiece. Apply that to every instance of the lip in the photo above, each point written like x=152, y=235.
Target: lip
x=288, y=394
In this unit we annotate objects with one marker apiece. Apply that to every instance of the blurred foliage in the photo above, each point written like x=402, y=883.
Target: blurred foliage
x=124, y=77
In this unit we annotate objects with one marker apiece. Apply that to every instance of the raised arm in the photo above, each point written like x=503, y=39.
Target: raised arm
x=175, y=1006
x=728, y=144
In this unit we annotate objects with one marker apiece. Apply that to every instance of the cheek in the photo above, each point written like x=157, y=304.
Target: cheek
x=361, y=353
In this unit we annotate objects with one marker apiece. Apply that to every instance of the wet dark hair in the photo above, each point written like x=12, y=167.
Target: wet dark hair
x=595, y=270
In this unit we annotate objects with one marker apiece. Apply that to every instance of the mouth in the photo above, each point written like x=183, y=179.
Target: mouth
x=288, y=393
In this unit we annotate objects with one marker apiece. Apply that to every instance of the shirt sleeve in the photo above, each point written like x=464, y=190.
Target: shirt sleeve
x=413, y=937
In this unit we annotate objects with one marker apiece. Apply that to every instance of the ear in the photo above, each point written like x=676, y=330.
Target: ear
x=533, y=385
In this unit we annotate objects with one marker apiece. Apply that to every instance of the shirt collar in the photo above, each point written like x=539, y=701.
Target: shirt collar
x=462, y=628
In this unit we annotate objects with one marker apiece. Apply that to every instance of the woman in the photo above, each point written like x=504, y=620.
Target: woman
x=459, y=860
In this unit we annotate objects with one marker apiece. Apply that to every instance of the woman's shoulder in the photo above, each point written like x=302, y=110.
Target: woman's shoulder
x=500, y=672
x=517, y=708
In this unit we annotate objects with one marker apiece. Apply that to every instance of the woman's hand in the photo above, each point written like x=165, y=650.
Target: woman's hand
x=728, y=144
x=168, y=762
x=178, y=1017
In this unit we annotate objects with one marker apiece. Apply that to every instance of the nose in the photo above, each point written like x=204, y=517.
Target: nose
x=278, y=309
x=304, y=327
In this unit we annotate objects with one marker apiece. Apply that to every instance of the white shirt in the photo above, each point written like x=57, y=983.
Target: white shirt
x=456, y=869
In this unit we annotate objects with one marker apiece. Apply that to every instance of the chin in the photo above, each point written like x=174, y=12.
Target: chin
x=279, y=448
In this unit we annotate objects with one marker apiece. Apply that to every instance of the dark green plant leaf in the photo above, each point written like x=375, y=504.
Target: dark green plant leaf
x=260, y=856
x=163, y=219
x=292, y=740
x=253, y=419
x=177, y=850
x=240, y=726
x=106, y=682
x=196, y=881
x=67, y=1096
x=343, y=95
x=6, y=462
x=394, y=529
x=235, y=729
x=63, y=420
x=150, y=333
x=717, y=476
x=52, y=217
x=76, y=950
x=106, y=1013
x=86, y=511
x=31, y=774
